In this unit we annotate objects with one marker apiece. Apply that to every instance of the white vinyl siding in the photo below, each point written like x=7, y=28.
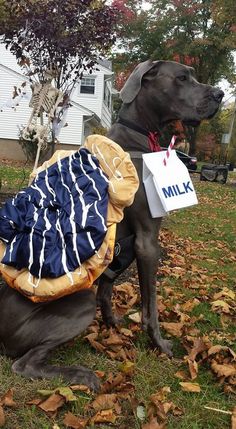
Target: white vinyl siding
x=84, y=105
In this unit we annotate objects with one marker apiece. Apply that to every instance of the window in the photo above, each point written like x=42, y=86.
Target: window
x=87, y=85
x=107, y=95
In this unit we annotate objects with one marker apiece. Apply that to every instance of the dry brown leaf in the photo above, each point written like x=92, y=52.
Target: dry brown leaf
x=71, y=421
x=218, y=348
x=200, y=345
x=190, y=304
x=100, y=374
x=126, y=332
x=104, y=416
x=7, y=399
x=104, y=401
x=193, y=368
x=220, y=306
x=225, y=370
x=35, y=401
x=97, y=346
x=153, y=424
x=190, y=387
x=80, y=387
x=160, y=395
x=112, y=382
x=228, y=293
x=181, y=374
x=53, y=403
x=173, y=328
x=233, y=420
x=2, y=417
x=113, y=340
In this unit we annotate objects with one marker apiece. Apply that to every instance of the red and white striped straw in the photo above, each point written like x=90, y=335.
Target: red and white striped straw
x=169, y=149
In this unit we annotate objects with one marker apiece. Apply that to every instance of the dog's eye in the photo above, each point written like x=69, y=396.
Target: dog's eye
x=182, y=77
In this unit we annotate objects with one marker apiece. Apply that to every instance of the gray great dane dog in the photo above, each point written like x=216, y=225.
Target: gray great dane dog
x=155, y=93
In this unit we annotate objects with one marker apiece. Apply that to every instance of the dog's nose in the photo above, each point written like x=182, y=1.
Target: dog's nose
x=218, y=95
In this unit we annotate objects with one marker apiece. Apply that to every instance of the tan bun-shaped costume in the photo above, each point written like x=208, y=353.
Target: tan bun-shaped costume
x=123, y=184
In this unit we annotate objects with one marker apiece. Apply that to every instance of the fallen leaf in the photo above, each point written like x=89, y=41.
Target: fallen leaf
x=225, y=370
x=53, y=403
x=80, y=387
x=104, y=401
x=127, y=367
x=35, y=401
x=126, y=332
x=135, y=317
x=113, y=340
x=112, y=382
x=190, y=304
x=181, y=374
x=7, y=399
x=160, y=395
x=199, y=345
x=219, y=348
x=141, y=413
x=95, y=344
x=173, y=328
x=71, y=421
x=104, y=416
x=63, y=391
x=220, y=305
x=190, y=387
x=153, y=424
x=225, y=292
x=2, y=417
x=193, y=368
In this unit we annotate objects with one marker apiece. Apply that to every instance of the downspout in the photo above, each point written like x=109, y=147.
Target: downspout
x=85, y=122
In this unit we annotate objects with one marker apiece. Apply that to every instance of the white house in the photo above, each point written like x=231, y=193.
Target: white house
x=91, y=106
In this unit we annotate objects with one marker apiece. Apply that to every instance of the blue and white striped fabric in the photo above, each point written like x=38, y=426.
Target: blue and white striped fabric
x=59, y=221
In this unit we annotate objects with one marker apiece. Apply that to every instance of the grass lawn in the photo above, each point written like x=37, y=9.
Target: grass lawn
x=196, y=285
x=14, y=178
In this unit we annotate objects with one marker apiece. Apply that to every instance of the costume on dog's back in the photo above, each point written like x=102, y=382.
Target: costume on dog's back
x=59, y=233
x=60, y=217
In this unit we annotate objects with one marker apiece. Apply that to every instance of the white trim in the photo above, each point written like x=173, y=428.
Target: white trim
x=14, y=73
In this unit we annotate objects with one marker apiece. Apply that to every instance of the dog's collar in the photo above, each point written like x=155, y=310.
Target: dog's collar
x=151, y=135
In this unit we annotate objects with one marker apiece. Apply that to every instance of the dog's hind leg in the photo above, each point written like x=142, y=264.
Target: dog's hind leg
x=56, y=323
x=104, y=296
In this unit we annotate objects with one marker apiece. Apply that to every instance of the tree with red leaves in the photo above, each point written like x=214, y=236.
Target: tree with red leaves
x=65, y=37
x=198, y=33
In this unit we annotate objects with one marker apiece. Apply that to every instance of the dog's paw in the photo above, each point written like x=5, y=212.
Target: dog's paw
x=81, y=375
x=112, y=321
x=166, y=347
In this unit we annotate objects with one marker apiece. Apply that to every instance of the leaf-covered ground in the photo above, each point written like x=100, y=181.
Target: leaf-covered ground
x=141, y=389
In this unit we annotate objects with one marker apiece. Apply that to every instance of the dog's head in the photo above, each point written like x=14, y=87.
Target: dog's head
x=171, y=91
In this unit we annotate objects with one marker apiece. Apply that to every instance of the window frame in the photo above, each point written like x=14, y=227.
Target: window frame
x=92, y=78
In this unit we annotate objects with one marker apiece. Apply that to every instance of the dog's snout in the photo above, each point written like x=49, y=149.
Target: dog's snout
x=218, y=94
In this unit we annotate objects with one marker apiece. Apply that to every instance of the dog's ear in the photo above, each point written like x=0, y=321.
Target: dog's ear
x=133, y=84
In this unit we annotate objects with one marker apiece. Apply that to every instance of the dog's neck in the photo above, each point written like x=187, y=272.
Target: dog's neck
x=139, y=114
x=143, y=134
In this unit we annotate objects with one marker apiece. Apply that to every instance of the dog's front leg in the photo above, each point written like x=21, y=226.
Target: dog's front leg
x=147, y=251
